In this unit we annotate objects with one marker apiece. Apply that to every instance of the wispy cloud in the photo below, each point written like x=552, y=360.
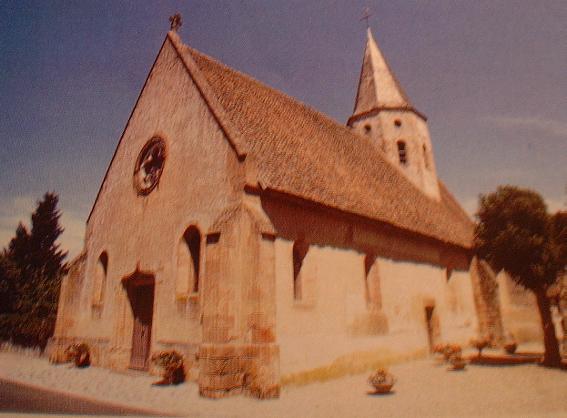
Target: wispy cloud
x=14, y=210
x=546, y=126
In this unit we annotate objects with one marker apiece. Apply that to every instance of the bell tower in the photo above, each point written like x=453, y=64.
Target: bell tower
x=383, y=112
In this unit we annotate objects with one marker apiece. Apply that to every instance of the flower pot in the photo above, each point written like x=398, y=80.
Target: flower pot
x=510, y=348
x=381, y=388
x=457, y=364
x=381, y=381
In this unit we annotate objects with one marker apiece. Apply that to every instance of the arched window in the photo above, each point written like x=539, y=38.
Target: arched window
x=402, y=153
x=188, y=262
x=101, y=270
x=300, y=249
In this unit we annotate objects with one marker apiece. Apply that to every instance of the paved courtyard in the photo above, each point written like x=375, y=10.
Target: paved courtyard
x=423, y=389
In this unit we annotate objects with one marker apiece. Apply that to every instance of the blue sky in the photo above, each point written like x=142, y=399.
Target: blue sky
x=490, y=75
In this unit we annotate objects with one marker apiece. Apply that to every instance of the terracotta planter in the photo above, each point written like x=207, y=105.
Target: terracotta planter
x=458, y=364
x=381, y=381
x=510, y=348
x=382, y=388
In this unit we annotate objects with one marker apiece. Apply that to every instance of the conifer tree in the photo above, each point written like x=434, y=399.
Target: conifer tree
x=30, y=277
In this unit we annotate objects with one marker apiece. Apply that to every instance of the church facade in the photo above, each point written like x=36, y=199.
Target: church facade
x=261, y=239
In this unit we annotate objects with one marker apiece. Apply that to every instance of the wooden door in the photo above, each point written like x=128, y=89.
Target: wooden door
x=142, y=308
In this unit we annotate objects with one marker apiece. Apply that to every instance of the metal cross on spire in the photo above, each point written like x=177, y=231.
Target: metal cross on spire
x=366, y=15
x=175, y=21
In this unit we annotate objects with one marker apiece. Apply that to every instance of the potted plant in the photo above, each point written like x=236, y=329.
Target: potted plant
x=510, y=346
x=439, y=352
x=439, y=348
x=457, y=362
x=79, y=354
x=480, y=344
x=171, y=363
x=452, y=350
x=382, y=381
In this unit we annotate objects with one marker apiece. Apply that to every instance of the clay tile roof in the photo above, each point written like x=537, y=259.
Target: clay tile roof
x=302, y=152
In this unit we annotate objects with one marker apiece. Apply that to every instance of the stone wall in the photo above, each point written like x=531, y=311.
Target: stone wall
x=239, y=353
x=347, y=307
x=201, y=177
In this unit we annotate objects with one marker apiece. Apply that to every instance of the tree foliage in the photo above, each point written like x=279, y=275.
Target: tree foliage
x=30, y=276
x=516, y=234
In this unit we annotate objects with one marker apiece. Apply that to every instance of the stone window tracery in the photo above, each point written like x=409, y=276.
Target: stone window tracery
x=149, y=166
x=99, y=284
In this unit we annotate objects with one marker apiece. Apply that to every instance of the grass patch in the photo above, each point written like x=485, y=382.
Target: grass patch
x=350, y=364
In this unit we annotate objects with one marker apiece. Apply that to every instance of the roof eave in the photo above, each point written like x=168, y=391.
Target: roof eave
x=375, y=110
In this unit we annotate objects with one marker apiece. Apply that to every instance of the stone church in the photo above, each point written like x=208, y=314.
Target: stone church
x=261, y=239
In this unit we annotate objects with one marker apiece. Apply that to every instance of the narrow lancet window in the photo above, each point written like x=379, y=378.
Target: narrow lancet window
x=402, y=153
x=300, y=249
x=188, y=262
x=101, y=270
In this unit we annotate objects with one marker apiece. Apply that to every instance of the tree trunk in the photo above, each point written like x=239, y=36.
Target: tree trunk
x=551, y=358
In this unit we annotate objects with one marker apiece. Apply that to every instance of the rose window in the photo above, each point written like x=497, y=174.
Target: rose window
x=149, y=166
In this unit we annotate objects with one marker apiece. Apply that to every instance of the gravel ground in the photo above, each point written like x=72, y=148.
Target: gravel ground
x=423, y=389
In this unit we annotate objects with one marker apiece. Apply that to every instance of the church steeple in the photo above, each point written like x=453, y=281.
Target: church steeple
x=384, y=113
x=378, y=88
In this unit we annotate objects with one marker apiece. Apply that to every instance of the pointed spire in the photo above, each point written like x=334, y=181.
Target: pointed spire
x=378, y=88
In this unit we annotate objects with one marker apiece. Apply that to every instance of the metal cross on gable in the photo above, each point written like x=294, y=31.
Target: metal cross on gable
x=366, y=15
x=175, y=22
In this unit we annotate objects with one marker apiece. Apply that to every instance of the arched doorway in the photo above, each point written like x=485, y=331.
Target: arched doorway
x=140, y=289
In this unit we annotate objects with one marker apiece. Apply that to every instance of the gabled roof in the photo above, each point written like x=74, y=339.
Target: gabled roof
x=301, y=152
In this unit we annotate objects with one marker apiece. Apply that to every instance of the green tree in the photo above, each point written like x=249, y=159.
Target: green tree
x=30, y=277
x=45, y=254
x=515, y=233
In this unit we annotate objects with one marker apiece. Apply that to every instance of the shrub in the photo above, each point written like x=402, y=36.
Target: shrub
x=480, y=344
x=452, y=350
x=439, y=348
x=171, y=362
x=510, y=347
x=457, y=362
x=79, y=354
